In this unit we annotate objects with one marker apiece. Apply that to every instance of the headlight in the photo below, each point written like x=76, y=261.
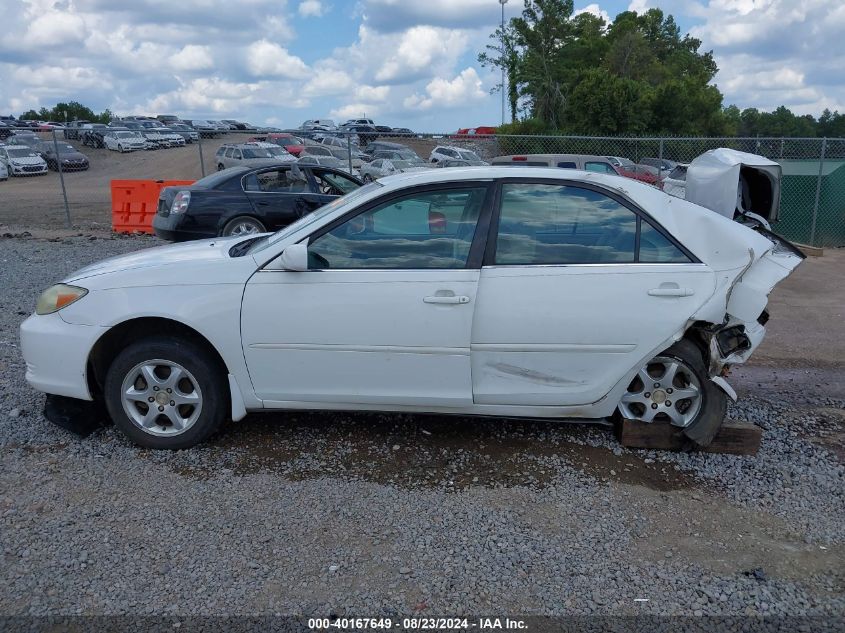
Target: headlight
x=181, y=202
x=57, y=297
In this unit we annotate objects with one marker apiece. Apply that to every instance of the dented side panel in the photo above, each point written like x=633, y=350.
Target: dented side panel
x=565, y=335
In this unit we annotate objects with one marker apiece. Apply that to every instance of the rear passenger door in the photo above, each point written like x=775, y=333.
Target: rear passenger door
x=578, y=286
x=281, y=195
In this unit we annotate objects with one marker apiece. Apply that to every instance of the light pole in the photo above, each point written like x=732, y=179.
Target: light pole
x=502, y=58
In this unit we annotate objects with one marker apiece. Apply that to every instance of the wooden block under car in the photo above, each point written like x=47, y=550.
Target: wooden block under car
x=734, y=438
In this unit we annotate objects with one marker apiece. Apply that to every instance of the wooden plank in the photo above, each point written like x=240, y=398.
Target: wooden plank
x=734, y=438
x=810, y=251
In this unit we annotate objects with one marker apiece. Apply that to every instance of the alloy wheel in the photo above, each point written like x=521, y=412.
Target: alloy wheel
x=666, y=389
x=161, y=397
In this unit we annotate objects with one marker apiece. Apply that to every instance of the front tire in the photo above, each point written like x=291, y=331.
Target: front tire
x=675, y=388
x=166, y=392
x=368, y=178
x=220, y=167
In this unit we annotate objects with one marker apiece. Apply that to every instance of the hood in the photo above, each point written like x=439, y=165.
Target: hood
x=178, y=260
x=73, y=156
x=26, y=160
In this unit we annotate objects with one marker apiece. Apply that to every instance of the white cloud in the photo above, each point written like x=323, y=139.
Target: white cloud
x=640, y=6
x=776, y=52
x=267, y=59
x=420, y=48
x=445, y=93
x=372, y=93
x=192, y=57
x=311, y=8
x=327, y=82
x=596, y=10
x=54, y=28
x=355, y=110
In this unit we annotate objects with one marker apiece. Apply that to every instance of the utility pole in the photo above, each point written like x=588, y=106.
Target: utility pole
x=502, y=58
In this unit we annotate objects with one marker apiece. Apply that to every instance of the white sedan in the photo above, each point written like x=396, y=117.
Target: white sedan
x=122, y=141
x=480, y=291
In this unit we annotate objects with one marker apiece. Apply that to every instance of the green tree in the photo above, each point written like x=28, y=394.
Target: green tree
x=581, y=75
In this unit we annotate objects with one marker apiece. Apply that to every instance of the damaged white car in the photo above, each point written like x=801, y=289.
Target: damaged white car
x=735, y=184
x=478, y=291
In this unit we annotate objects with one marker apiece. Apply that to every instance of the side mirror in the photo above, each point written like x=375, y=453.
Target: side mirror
x=294, y=258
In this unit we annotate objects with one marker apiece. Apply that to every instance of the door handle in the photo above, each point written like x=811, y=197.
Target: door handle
x=447, y=299
x=671, y=292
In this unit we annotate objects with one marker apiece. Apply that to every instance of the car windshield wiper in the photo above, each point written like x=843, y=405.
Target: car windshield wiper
x=242, y=248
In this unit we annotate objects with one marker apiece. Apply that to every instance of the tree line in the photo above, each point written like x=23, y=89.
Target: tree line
x=66, y=112
x=578, y=74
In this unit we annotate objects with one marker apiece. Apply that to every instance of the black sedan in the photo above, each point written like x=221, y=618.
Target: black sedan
x=71, y=159
x=247, y=199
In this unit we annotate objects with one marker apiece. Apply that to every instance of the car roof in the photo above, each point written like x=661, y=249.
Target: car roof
x=557, y=157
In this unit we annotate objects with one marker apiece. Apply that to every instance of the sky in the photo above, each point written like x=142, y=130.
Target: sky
x=404, y=63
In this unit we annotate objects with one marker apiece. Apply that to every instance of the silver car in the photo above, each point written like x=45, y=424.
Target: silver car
x=231, y=155
x=381, y=167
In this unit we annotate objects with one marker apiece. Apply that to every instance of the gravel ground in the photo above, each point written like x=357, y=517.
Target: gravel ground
x=320, y=513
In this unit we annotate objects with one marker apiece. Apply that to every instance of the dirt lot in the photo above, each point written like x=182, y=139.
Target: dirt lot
x=37, y=202
x=335, y=513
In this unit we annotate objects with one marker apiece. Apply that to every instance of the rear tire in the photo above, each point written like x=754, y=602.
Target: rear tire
x=200, y=397
x=243, y=225
x=698, y=417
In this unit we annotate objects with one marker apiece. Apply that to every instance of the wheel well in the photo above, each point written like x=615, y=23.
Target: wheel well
x=700, y=334
x=115, y=339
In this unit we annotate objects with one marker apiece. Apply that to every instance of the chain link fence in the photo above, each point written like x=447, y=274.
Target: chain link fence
x=812, y=209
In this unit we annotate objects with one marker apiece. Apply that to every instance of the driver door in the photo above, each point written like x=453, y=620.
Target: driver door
x=384, y=314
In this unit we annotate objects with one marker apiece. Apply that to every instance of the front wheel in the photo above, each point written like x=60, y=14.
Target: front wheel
x=220, y=167
x=166, y=392
x=675, y=388
x=243, y=225
x=368, y=178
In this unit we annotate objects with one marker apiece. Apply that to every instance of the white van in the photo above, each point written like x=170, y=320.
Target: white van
x=585, y=162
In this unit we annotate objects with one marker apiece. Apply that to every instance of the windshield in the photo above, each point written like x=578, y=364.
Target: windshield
x=126, y=135
x=403, y=164
x=320, y=213
x=21, y=153
x=468, y=155
x=276, y=151
x=258, y=152
x=64, y=148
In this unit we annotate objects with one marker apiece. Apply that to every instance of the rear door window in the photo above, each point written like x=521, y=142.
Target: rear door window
x=554, y=224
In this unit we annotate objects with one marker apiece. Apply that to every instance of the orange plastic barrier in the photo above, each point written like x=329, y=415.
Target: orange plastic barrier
x=135, y=202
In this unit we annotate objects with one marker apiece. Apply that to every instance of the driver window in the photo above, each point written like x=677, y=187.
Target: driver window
x=333, y=184
x=432, y=229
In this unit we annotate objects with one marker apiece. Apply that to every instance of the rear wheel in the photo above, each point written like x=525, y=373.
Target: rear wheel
x=243, y=225
x=675, y=388
x=166, y=392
